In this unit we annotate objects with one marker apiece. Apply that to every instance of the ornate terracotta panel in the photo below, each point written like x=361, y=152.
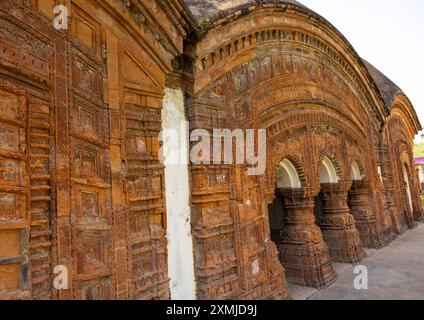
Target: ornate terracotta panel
x=14, y=197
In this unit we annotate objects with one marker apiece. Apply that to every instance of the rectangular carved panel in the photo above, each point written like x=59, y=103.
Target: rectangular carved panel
x=91, y=216
x=11, y=171
x=145, y=196
x=14, y=217
x=45, y=6
x=85, y=29
x=23, y=52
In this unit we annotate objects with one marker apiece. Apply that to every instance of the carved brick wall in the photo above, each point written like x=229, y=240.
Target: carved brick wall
x=26, y=149
x=399, y=156
x=80, y=180
x=145, y=183
x=91, y=212
x=81, y=184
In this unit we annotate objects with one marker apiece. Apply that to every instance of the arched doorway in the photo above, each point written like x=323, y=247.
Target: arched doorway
x=407, y=195
x=301, y=247
x=327, y=172
x=287, y=177
x=327, y=175
x=357, y=172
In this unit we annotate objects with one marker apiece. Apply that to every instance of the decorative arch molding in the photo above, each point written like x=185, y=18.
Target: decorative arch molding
x=287, y=176
x=277, y=130
x=358, y=153
x=280, y=154
x=332, y=147
x=310, y=89
x=403, y=108
x=358, y=172
x=318, y=136
x=398, y=131
x=329, y=170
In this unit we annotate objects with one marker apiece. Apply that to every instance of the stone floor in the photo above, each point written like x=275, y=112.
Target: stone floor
x=394, y=272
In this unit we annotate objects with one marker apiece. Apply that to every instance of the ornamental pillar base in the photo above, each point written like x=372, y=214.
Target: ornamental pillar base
x=303, y=251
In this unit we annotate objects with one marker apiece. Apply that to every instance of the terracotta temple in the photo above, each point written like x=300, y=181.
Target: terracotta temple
x=82, y=185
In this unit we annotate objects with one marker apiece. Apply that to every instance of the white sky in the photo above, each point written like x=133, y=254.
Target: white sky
x=386, y=33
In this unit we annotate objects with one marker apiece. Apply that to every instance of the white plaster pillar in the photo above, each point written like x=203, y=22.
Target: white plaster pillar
x=180, y=245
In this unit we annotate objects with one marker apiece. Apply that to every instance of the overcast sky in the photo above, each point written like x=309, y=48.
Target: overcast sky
x=386, y=33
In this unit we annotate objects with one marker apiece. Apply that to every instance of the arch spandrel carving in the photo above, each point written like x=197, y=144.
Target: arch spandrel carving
x=267, y=88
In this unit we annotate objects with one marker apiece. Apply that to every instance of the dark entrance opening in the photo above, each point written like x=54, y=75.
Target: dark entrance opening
x=276, y=215
x=318, y=209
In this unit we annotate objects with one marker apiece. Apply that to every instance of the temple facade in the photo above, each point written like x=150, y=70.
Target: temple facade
x=88, y=207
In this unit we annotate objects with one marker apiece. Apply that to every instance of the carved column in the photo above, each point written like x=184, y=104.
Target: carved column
x=417, y=203
x=303, y=251
x=338, y=225
x=360, y=208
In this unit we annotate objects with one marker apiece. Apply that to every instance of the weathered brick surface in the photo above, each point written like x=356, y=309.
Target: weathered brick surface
x=81, y=184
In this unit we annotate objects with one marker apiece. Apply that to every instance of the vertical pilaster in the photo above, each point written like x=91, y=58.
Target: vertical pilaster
x=63, y=187
x=117, y=147
x=338, y=225
x=360, y=208
x=303, y=251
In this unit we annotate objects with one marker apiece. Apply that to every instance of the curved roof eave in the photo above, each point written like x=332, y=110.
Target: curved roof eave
x=388, y=89
x=401, y=96
x=390, y=92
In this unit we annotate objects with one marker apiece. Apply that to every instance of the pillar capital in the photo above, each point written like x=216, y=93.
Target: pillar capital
x=335, y=189
x=360, y=185
x=299, y=193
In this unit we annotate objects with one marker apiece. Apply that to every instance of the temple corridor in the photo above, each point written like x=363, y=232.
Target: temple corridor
x=394, y=272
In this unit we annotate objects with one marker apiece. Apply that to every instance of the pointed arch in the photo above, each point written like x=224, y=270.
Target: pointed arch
x=327, y=172
x=357, y=171
x=287, y=176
